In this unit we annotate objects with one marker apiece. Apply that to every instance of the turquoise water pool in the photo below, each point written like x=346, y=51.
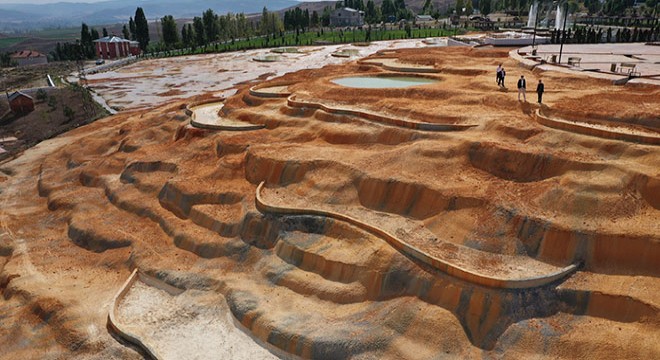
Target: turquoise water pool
x=382, y=82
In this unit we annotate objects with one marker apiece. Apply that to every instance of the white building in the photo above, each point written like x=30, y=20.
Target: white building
x=347, y=17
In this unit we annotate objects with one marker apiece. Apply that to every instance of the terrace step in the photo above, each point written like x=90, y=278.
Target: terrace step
x=414, y=240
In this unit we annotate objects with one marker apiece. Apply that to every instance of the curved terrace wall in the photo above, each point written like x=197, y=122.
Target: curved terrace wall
x=418, y=254
x=118, y=328
x=293, y=102
x=567, y=125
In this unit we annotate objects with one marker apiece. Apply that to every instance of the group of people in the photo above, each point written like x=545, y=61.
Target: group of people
x=522, y=85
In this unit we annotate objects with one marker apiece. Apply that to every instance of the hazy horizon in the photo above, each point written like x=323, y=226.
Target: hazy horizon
x=36, y=2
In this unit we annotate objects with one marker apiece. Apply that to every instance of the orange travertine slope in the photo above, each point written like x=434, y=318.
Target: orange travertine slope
x=495, y=237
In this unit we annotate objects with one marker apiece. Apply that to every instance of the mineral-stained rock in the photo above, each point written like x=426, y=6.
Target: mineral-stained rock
x=505, y=202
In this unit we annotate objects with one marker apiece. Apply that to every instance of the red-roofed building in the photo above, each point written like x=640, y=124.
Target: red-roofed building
x=29, y=57
x=20, y=103
x=112, y=47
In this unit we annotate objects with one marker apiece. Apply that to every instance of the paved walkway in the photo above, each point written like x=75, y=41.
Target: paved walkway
x=600, y=57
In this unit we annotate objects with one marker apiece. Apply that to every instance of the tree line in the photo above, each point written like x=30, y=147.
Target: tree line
x=84, y=48
x=211, y=28
x=591, y=35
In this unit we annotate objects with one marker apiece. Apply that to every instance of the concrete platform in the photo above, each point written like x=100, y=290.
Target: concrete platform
x=596, y=59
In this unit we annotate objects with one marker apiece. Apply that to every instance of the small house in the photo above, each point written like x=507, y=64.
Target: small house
x=20, y=103
x=29, y=57
x=347, y=17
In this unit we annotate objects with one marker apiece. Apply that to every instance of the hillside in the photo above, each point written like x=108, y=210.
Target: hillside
x=444, y=219
x=20, y=17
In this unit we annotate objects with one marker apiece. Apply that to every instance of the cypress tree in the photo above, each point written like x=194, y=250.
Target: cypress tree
x=125, y=32
x=86, y=44
x=200, y=34
x=141, y=29
x=131, y=27
x=170, y=34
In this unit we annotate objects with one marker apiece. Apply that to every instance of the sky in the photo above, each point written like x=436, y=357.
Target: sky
x=46, y=1
x=75, y=1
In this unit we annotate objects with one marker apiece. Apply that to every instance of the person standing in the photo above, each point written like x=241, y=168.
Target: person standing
x=522, y=88
x=499, y=74
x=502, y=75
x=540, y=88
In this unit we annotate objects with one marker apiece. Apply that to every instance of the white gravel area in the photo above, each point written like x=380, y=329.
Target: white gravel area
x=150, y=83
x=191, y=325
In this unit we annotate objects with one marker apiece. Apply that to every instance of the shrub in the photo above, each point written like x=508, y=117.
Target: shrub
x=52, y=102
x=69, y=113
x=42, y=95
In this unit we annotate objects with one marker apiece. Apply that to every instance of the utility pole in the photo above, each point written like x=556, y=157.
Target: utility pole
x=536, y=21
x=563, y=33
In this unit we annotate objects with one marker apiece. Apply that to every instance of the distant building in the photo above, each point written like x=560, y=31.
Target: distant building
x=29, y=57
x=113, y=47
x=424, y=18
x=347, y=17
x=20, y=103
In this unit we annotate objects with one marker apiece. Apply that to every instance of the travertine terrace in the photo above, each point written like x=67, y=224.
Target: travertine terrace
x=441, y=221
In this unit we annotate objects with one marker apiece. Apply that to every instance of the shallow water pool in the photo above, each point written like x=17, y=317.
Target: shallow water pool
x=382, y=82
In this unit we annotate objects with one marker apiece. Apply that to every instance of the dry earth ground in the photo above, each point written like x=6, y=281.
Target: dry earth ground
x=142, y=189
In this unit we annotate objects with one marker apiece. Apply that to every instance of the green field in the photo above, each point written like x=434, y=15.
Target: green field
x=66, y=34
x=10, y=41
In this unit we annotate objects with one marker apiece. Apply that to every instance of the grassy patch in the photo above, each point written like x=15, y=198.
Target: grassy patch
x=10, y=41
x=58, y=34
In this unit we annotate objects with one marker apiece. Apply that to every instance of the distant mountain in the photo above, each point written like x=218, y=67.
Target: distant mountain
x=30, y=16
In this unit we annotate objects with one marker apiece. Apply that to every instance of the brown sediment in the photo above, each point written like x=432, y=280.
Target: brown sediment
x=507, y=202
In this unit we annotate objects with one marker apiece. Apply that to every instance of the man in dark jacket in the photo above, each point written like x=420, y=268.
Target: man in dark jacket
x=522, y=87
x=540, y=88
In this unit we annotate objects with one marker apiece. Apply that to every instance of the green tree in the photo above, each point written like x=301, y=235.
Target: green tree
x=315, y=20
x=86, y=44
x=170, y=33
x=69, y=113
x=427, y=9
x=264, y=22
x=52, y=103
x=200, y=33
x=325, y=16
x=184, y=35
x=5, y=58
x=371, y=14
x=459, y=7
x=271, y=23
x=132, y=28
x=105, y=32
x=484, y=7
x=42, y=95
x=387, y=9
x=468, y=7
x=141, y=29
x=211, y=28
x=125, y=33
x=188, y=35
